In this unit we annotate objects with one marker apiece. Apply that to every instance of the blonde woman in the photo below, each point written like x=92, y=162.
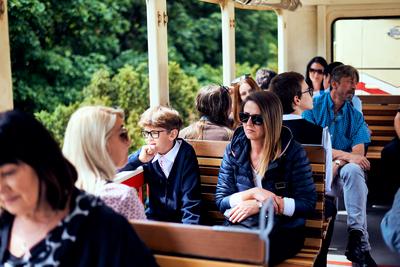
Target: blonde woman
x=263, y=161
x=213, y=103
x=97, y=143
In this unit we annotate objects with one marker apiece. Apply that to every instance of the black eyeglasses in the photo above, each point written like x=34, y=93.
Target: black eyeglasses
x=123, y=135
x=309, y=90
x=152, y=134
x=256, y=119
x=319, y=71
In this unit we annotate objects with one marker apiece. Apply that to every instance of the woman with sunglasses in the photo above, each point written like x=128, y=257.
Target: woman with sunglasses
x=315, y=74
x=213, y=103
x=44, y=219
x=242, y=87
x=97, y=143
x=263, y=161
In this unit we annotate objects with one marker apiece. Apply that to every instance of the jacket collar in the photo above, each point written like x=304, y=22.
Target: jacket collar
x=240, y=145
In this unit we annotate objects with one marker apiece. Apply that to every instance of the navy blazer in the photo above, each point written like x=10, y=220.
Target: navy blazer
x=176, y=198
x=288, y=176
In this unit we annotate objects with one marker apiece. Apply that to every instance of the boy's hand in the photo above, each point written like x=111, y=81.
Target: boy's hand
x=147, y=153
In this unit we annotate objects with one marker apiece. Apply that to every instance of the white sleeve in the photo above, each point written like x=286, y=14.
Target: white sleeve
x=288, y=206
x=235, y=199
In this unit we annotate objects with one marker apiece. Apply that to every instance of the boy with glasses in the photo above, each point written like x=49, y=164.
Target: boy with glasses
x=170, y=168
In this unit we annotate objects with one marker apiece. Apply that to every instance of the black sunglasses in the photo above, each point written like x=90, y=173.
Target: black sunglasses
x=123, y=135
x=309, y=90
x=317, y=71
x=256, y=119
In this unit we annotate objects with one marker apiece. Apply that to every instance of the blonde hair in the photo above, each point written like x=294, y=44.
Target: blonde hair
x=272, y=113
x=160, y=116
x=85, y=145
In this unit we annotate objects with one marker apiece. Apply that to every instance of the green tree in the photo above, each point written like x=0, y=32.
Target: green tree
x=128, y=90
x=56, y=46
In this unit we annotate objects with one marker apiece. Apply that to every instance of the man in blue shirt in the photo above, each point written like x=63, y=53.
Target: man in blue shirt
x=355, y=101
x=349, y=134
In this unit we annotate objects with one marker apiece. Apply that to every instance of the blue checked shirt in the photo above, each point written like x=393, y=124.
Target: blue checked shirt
x=347, y=127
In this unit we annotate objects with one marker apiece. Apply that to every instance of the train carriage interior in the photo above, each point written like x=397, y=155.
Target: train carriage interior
x=361, y=33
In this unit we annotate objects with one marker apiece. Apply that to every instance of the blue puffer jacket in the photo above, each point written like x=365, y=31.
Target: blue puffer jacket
x=291, y=171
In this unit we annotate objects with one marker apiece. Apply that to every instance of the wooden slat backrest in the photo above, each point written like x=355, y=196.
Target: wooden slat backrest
x=217, y=243
x=379, y=112
x=380, y=99
x=209, y=155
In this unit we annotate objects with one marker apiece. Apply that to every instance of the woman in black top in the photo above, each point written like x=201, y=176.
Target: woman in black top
x=45, y=220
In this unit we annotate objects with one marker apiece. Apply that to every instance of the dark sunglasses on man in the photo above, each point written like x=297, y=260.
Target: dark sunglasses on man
x=256, y=119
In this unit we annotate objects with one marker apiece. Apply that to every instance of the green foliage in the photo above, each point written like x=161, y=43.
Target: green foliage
x=182, y=91
x=56, y=46
x=128, y=90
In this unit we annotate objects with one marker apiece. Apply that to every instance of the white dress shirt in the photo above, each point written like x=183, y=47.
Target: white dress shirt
x=166, y=161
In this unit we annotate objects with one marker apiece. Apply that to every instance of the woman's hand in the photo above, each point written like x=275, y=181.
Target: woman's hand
x=280, y=203
x=147, y=153
x=244, y=210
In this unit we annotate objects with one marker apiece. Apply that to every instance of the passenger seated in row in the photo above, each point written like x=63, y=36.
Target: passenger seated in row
x=97, y=143
x=213, y=103
x=349, y=135
x=355, y=100
x=170, y=168
x=264, y=161
x=242, y=87
x=315, y=74
x=264, y=77
x=44, y=219
x=296, y=97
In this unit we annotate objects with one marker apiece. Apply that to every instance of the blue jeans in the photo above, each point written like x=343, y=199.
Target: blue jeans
x=351, y=182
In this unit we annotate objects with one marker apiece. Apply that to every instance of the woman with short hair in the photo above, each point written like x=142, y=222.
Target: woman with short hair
x=44, y=219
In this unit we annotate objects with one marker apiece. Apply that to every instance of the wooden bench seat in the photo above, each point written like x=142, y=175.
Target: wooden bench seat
x=379, y=112
x=194, y=245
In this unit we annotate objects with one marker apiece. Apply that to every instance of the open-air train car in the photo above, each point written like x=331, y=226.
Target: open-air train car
x=362, y=33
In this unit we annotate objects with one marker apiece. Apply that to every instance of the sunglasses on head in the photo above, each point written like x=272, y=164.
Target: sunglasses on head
x=319, y=71
x=243, y=77
x=256, y=119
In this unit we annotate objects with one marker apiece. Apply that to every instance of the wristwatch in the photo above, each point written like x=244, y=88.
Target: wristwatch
x=338, y=162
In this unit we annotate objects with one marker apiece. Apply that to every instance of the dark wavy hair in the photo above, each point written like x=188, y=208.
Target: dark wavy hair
x=319, y=60
x=25, y=140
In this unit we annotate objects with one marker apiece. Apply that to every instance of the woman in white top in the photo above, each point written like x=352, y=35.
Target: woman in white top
x=97, y=143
